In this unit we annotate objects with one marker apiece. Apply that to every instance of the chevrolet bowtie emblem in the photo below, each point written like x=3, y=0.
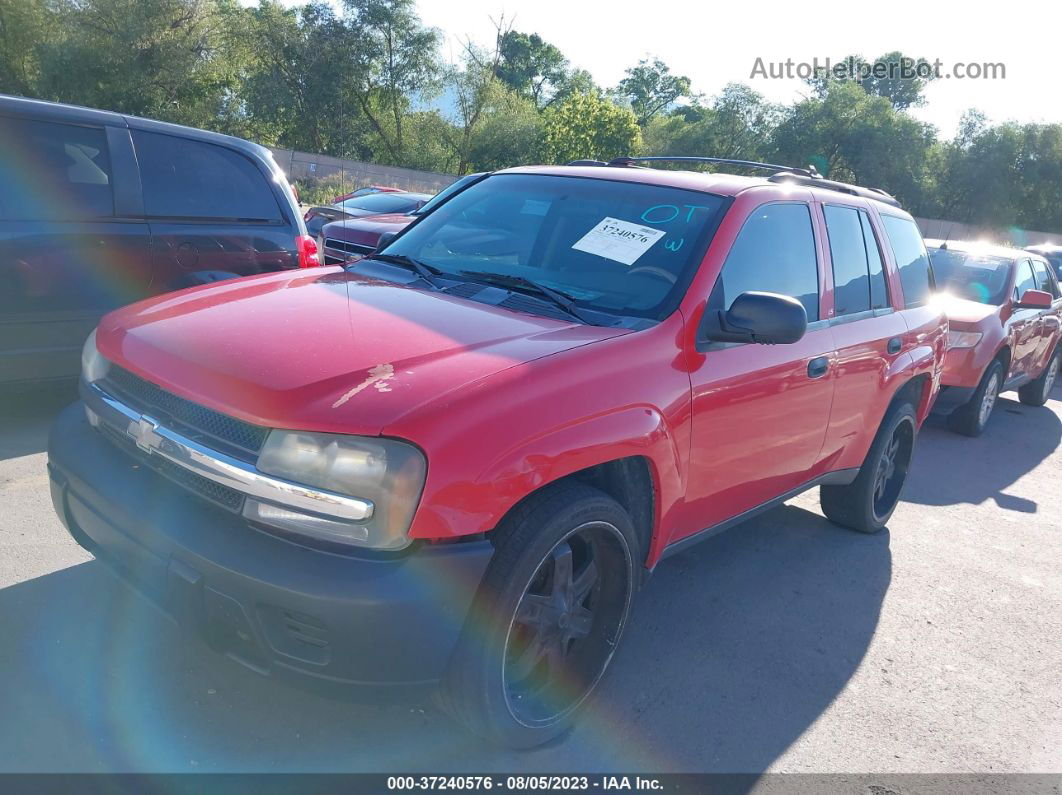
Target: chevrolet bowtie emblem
x=145, y=433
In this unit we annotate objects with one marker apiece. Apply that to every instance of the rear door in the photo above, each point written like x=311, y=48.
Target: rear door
x=212, y=210
x=73, y=245
x=868, y=333
x=760, y=411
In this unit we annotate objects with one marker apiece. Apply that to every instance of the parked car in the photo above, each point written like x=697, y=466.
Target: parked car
x=457, y=460
x=1052, y=253
x=341, y=241
x=1004, y=309
x=99, y=209
x=360, y=206
x=365, y=192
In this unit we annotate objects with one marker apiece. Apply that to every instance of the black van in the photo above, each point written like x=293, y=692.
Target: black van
x=99, y=209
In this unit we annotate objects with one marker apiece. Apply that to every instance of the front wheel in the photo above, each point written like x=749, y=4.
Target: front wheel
x=867, y=503
x=972, y=418
x=1037, y=391
x=547, y=619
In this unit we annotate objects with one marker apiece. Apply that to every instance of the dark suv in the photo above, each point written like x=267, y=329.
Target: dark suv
x=98, y=210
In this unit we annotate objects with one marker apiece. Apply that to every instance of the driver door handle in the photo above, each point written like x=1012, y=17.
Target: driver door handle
x=818, y=366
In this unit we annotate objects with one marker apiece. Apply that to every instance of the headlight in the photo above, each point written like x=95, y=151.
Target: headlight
x=93, y=365
x=963, y=339
x=388, y=473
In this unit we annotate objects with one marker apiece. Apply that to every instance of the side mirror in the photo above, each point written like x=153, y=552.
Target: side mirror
x=765, y=318
x=385, y=240
x=1036, y=299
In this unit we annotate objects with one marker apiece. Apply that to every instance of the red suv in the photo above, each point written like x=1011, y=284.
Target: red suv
x=456, y=460
x=1004, y=308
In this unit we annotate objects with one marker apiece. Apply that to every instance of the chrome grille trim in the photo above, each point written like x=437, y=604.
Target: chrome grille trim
x=155, y=439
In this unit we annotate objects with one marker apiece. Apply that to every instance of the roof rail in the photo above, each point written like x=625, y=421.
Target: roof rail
x=795, y=177
x=630, y=161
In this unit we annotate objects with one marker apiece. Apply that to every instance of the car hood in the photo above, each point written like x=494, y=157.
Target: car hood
x=324, y=349
x=368, y=228
x=964, y=314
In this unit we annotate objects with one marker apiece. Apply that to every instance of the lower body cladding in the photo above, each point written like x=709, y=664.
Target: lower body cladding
x=276, y=607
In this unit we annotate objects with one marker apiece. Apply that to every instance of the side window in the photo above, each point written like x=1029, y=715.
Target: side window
x=916, y=274
x=1044, y=279
x=192, y=179
x=879, y=291
x=774, y=252
x=848, y=251
x=54, y=172
x=1025, y=279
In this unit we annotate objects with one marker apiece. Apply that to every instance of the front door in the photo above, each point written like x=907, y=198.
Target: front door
x=760, y=412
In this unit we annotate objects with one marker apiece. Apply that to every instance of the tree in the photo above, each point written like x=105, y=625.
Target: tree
x=395, y=57
x=651, y=88
x=528, y=65
x=900, y=79
x=588, y=126
x=24, y=26
x=166, y=59
x=854, y=136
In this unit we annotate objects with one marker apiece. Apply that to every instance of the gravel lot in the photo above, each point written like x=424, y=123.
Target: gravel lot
x=787, y=644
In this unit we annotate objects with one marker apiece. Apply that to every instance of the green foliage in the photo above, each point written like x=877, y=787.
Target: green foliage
x=530, y=66
x=883, y=77
x=650, y=88
x=588, y=126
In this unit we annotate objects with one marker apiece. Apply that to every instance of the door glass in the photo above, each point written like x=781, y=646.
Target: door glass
x=1025, y=279
x=916, y=274
x=879, y=291
x=193, y=179
x=1044, y=280
x=848, y=251
x=53, y=172
x=774, y=252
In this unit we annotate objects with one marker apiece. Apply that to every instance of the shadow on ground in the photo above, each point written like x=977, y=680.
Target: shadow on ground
x=735, y=648
x=26, y=415
x=1018, y=438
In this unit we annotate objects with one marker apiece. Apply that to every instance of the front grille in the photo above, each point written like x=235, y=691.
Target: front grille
x=204, y=487
x=214, y=429
x=350, y=248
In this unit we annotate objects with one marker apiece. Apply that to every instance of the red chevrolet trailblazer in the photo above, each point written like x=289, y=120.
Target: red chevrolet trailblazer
x=452, y=463
x=1005, y=310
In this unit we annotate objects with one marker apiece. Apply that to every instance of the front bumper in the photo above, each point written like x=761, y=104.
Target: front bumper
x=274, y=606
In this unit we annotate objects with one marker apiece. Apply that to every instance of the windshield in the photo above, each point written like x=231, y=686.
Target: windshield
x=619, y=247
x=976, y=277
x=446, y=193
x=384, y=202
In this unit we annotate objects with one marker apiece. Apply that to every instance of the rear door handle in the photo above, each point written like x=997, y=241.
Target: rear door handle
x=818, y=366
x=895, y=345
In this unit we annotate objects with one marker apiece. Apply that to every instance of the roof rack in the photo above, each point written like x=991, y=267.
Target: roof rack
x=630, y=161
x=877, y=194
x=809, y=177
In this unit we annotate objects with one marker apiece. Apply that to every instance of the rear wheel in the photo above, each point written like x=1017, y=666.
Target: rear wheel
x=1037, y=392
x=867, y=503
x=972, y=418
x=547, y=619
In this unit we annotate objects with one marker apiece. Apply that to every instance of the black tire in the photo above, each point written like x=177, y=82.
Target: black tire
x=500, y=681
x=866, y=504
x=972, y=418
x=1037, y=391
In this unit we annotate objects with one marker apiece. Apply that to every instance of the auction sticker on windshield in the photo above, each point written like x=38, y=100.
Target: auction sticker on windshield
x=618, y=240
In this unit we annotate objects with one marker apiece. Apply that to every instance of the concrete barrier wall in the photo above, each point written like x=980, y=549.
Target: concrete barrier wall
x=953, y=230
x=303, y=165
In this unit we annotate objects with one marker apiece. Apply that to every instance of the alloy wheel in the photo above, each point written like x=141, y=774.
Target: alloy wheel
x=566, y=624
x=892, y=469
x=988, y=400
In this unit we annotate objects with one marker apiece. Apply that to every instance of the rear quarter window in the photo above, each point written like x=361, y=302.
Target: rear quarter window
x=183, y=178
x=912, y=260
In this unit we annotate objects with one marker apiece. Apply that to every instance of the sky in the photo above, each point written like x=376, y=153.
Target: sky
x=716, y=43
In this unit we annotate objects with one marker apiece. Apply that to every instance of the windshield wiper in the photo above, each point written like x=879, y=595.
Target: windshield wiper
x=556, y=297
x=424, y=270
